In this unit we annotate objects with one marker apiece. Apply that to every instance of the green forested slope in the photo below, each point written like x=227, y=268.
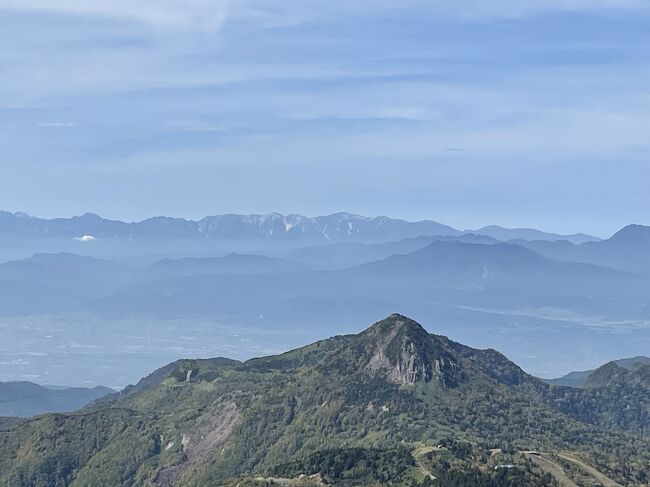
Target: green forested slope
x=403, y=406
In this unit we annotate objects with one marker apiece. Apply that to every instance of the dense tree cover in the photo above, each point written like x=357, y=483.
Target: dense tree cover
x=203, y=422
x=501, y=478
x=613, y=398
x=8, y=423
x=350, y=466
x=54, y=450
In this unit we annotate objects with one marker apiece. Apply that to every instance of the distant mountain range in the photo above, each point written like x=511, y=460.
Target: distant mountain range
x=56, y=282
x=582, y=377
x=628, y=250
x=506, y=234
x=392, y=405
x=338, y=227
x=493, y=275
x=350, y=254
x=274, y=226
x=424, y=269
x=475, y=287
x=26, y=399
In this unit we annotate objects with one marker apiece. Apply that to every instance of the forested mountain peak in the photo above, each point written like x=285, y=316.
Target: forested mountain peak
x=613, y=374
x=402, y=407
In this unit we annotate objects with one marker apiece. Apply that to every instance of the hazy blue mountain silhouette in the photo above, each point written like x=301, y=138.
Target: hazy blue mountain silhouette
x=349, y=254
x=25, y=399
x=505, y=234
x=232, y=263
x=495, y=275
x=627, y=249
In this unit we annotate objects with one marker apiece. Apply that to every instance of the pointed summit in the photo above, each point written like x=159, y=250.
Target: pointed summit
x=407, y=354
x=396, y=324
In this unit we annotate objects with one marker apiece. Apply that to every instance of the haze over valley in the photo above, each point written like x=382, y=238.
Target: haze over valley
x=132, y=297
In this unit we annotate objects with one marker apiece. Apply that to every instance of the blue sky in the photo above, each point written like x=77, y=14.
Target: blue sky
x=529, y=112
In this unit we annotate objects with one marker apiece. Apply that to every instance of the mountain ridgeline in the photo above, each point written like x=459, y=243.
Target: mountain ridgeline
x=273, y=226
x=582, y=377
x=446, y=271
x=497, y=294
x=626, y=250
x=25, y=399
x=393, y=404
x=22, y=235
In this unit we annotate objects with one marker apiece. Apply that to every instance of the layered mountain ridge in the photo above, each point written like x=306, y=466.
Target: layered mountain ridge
x=25, y=399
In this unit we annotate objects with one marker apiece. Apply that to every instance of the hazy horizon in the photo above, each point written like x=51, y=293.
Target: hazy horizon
x=520, y=114
x=565, y=230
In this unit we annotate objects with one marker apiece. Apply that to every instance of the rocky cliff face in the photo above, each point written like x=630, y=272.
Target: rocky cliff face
x=407, y=354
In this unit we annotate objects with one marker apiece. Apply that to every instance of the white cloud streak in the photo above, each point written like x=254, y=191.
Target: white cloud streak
x=287, y=12
x=176, y=14
x=350, y=96
x=211, y=14
x=523, y=8
x=56, y=124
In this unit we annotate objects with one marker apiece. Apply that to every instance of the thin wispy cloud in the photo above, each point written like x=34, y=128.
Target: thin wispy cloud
x=210, y=14
x=56, y=124
x=194, y=126
x=522, y=8
x=288, y=12
x=194, y=14
x=314, y=106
